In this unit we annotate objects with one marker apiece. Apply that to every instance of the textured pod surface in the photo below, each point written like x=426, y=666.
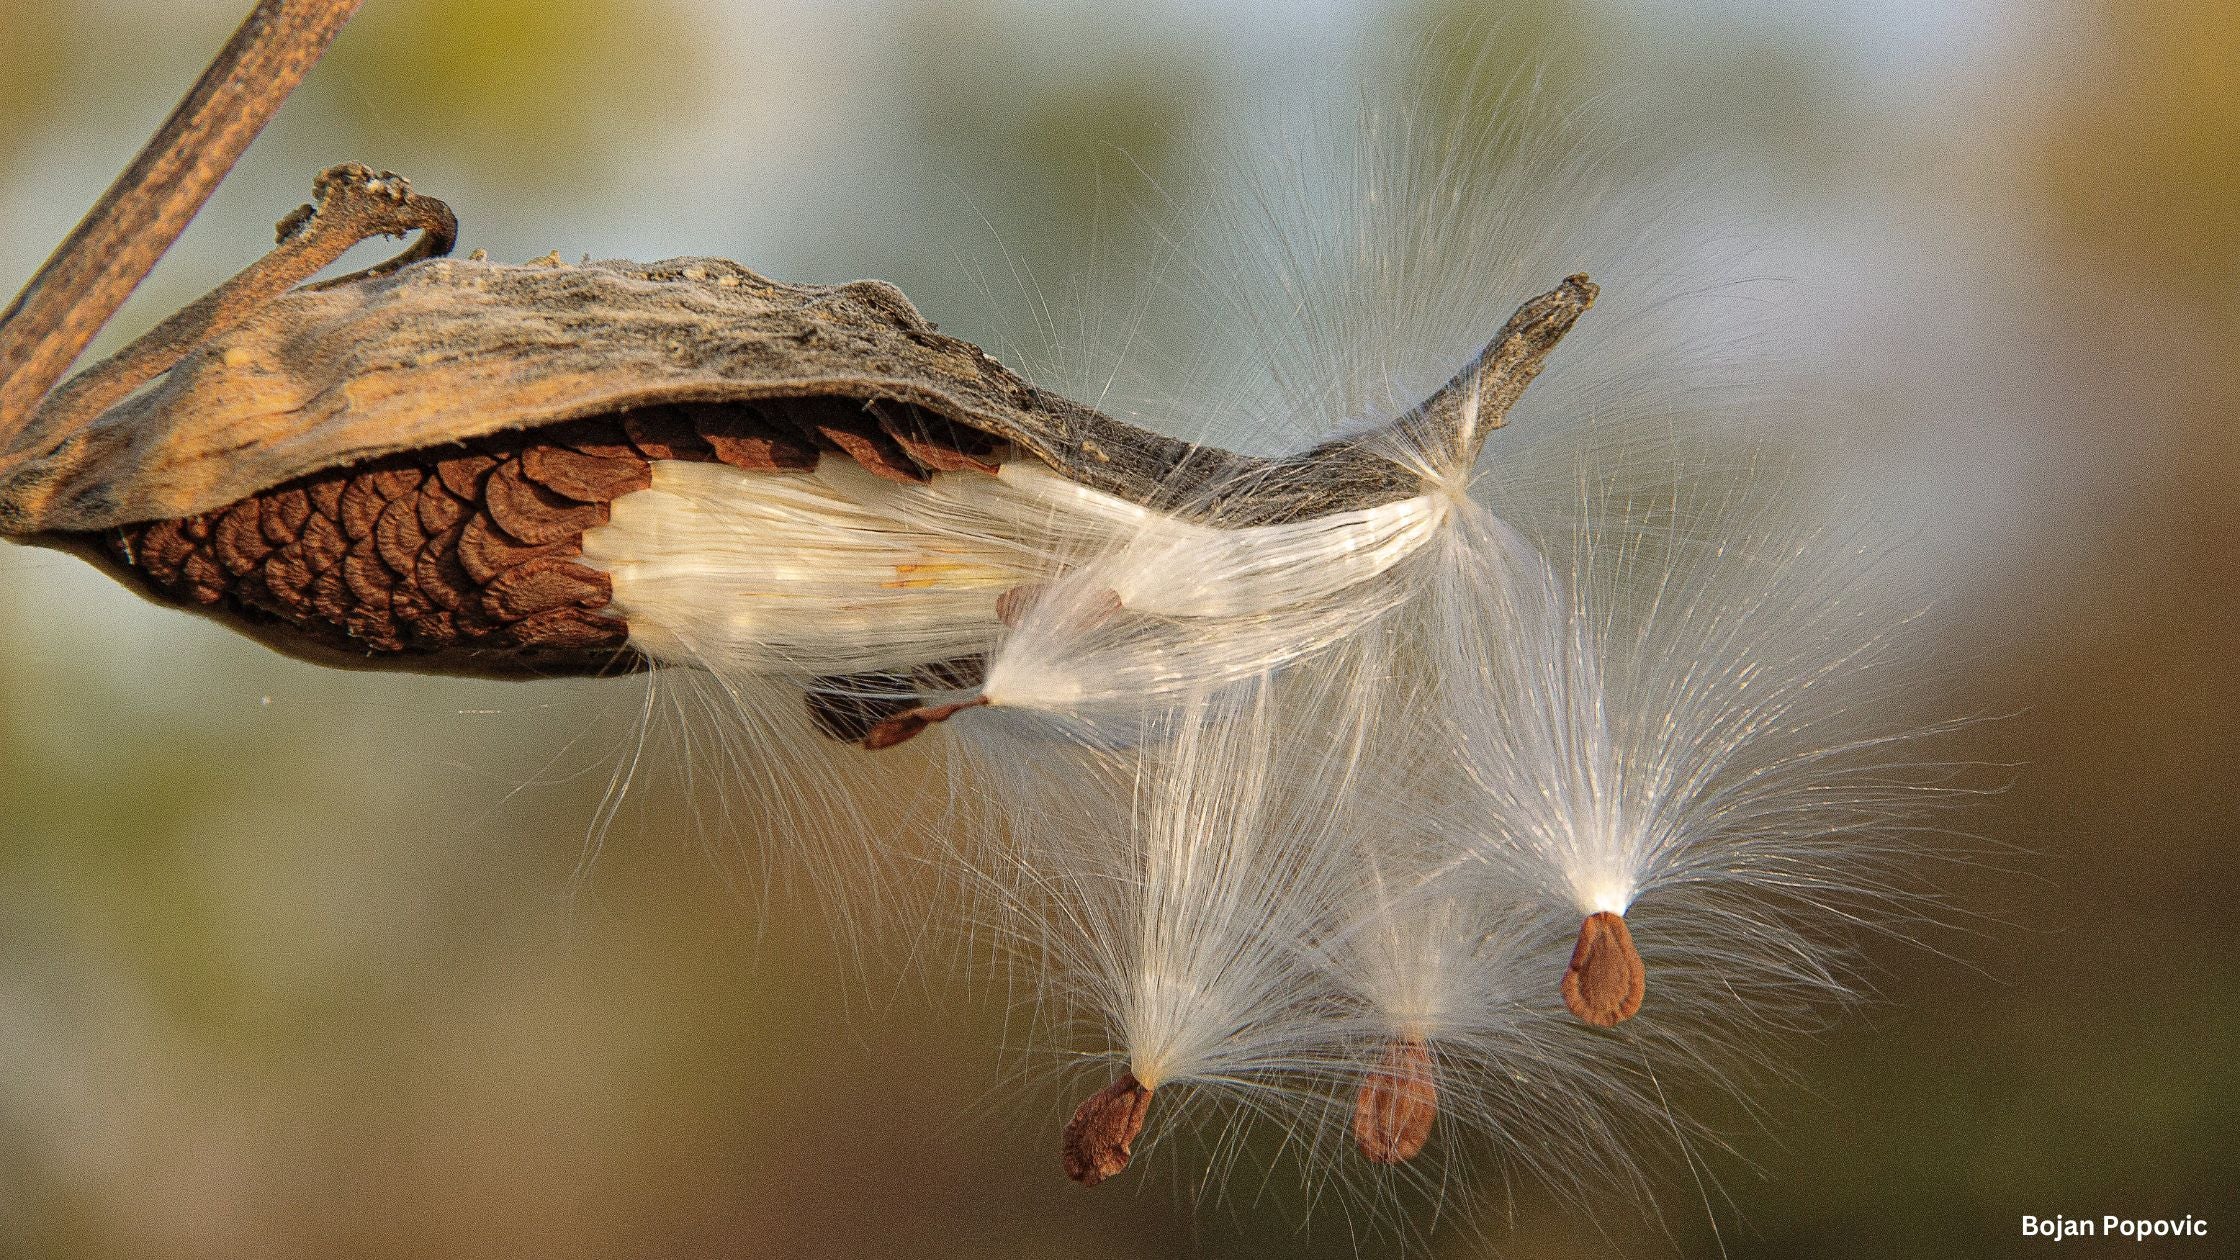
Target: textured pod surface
x=446, y=351
x=453, y=350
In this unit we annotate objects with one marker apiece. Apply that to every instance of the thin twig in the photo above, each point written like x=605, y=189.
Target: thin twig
x=114, y=247
x=350, y=204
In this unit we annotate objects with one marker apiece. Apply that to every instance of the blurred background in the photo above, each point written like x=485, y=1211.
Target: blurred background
x=295, y=961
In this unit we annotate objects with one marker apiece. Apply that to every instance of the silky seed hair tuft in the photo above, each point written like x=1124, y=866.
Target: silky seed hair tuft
x=1614, y=793
x=1642, y=719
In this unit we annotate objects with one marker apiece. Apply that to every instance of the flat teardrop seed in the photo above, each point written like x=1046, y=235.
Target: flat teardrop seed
x=1605, y=982
x=1396, y=1104
x=1100, y=1139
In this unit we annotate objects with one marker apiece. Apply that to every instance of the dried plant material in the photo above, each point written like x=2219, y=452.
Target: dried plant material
x=1101, y=1137
x=904, y=727
x=1605, y=982
x=373, y=422
x=1397, y=1103
x=392, y=558
x=136, y=220
x=849, y=707
x=449, y=350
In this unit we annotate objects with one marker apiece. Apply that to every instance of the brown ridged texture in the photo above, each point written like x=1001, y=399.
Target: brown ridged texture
x=469, y=552
x=1605, y=982
x=1100, y=1139
x=1396, y=1104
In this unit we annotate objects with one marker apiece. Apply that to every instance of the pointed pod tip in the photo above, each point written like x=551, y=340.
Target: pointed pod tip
x=1101, y=1136
x=1605, y=982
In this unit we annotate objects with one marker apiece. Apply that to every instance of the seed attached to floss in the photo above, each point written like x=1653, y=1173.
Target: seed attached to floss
x=1392, y=1114
x=1101, y=1137
x=903, y=727
x=1605, y=981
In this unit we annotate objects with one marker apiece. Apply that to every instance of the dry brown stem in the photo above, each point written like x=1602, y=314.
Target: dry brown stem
x=118, y=242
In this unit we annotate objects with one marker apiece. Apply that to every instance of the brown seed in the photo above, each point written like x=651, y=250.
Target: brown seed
x=283, y=513
x=532, y=513
x=329, y=597
x=360, y=507
x=904, y=727
x=366, y=577
x=439, y=509
x=485, y=550
x=163, y=548
x=859, y=438
x=1101, y=1137
x=757, y=452
x=433, y=630
x=744, y=437
x=1393, y=1111
x=1012, y=605
x=288, y=578
x=588, y=478
x=326, y=494
x=201, y=579
x=323, y=543
x=397, y=535
x=543, y=585
x=438, y=573
x=573, y=629
x=600, y=436
x=239, y=539
x=395, y=483
x=665, y=433
x=462, y=474
x=1605, y=982
x=373, y=628
x=934, y=443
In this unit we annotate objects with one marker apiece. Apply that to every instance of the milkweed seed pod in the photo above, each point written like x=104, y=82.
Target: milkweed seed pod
x=466, y=466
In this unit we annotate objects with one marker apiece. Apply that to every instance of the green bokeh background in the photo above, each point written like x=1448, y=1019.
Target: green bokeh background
x=298, y=962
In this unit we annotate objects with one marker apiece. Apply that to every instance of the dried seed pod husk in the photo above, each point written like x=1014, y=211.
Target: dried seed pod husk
x=449, y=350
x=532, y=395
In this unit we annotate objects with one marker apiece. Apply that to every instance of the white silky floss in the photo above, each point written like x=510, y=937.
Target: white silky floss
x=838, y=570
